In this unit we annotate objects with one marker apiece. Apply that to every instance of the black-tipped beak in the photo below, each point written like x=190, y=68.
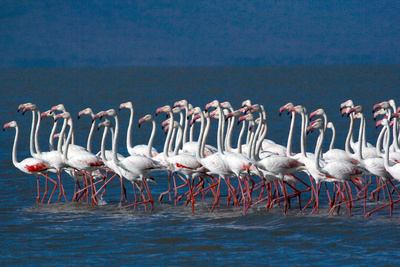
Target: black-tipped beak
x=139, y=125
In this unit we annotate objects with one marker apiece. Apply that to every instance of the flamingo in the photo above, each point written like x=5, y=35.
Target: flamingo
x=138, y=165
x=214, y=164
x=308, y=160
x=109, y=162
x=238, y=164
x=278, y=165
x=138, y=149
x=339, y=169
x=82, y=160
x=51, y=157
x=33, y=166
x=184, y=163
x=332, y=153
x=393, y=169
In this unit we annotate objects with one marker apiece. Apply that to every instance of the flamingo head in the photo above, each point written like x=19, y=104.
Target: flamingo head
x=317, y=124
x=246, y=103
x=225, y=104
x=395, y=115
x=196, y=110
x=378, y=113
x=86, y=111
x=64, y=115
x=106, y=123
x=355, y=109
x=59, y=107
x=98, y=115
x=101, y=114
x=318, y=112
x=10, y=124
x=237, y=113
x=247, y=117
x=164, y=123
x=176, y=110
x=32, y=107
x=182, y=103
x=254, y=108
x=195, y=118
x=22, y=106
x=384, y=105
x=330, y=125
x=126, y=105
x=165, y=108
x=297, y=109
x=47, y=113
x=214, y=114
x=285, y=107
x=344, y=111
x=347, y=104
x=357, y=116
x=148, y=117
x=213, y=104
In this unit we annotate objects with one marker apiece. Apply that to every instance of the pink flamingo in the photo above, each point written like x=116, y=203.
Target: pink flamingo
x=31, y=166
x=138, y=149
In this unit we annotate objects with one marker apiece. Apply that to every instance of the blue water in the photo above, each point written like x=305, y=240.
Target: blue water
x=75, y=233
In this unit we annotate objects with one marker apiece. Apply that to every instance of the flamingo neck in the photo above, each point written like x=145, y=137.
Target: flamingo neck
x=332, y=144
x=253, y=153
x=186, y=127
x=349, y=136
x=202, y=140
x=51, y=137
x=228, y=139
x=32, y=135
x=379, y=142
x=318, y=149
x=169, y=134
x=239, y=142
x=360, y=138
x=178, y=141
x=62, y=133
x=220, y=131
x=386, y=142
x=115, y=140
x=205, y=136
x=151, y=139
x=71, y=130
x=14, y=152
x=129, y=131
x=261, y=137
x=90, y=137
x=37, y=146
x=303, y=135
x=290, y=136
x=103, y=144
x=181, y=122
x=171, y=141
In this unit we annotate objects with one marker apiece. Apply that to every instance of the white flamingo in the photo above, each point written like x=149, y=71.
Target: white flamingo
x=33, y=166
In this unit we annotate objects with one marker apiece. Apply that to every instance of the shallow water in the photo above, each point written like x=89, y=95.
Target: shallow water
x=74, y=233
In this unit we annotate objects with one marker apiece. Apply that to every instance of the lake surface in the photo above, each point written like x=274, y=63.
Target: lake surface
x=75, y=233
